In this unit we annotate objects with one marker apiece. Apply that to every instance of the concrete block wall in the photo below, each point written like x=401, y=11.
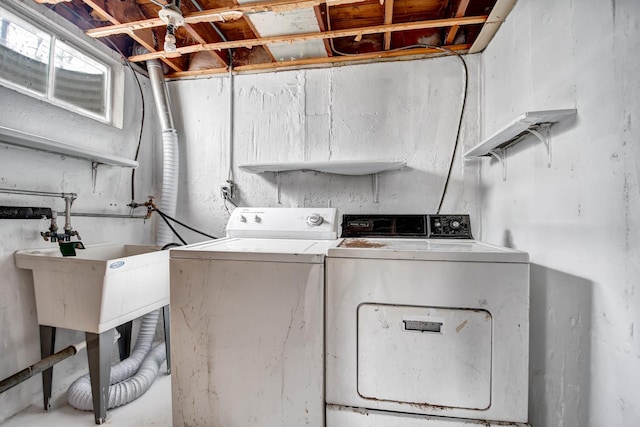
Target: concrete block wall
x=395, y=110
x=578, y=218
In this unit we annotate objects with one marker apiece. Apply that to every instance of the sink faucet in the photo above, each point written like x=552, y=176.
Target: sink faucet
x=69, y=232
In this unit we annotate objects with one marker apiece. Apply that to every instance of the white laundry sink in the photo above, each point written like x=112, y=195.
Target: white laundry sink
x=103, y=286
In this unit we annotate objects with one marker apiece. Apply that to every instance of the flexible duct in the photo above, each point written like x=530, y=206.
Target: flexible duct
x=134, y=375
x=130, y=378
x=169, y=196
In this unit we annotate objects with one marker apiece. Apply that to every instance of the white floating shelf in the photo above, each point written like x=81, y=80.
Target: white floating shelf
x=337, y=167
x=35, y=142
x=527, y=123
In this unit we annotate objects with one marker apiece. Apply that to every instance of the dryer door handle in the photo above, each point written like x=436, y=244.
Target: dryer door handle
x=422, y=326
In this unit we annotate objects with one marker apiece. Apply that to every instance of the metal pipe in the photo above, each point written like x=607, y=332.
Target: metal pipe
x=73, y=196
x=106, y=215
x=68, y=201
x=38, y=367
x=160, y=96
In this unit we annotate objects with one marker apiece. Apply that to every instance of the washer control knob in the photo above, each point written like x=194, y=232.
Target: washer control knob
x=243, y=218
x=455, y=224
x=314, y=219
x=257, y=218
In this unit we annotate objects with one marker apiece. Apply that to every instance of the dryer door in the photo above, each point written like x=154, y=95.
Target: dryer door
x=425, y=355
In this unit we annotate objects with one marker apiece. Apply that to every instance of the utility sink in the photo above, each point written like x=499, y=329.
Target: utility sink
x=105, y=285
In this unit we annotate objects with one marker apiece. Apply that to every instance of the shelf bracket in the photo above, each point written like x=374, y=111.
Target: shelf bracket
x=278, y=188
x=94, y=175
x=376, y=187
x=501, y=155
x=543, y=135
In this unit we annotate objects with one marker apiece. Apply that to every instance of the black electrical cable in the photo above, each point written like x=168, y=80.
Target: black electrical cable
x=184, y=242
x=462, y=108
x=464, y=96
x=164, y=215
x=169, y=245
x=133, y=171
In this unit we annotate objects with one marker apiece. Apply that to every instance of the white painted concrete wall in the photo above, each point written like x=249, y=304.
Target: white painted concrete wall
x=31, y=170
x=399, y=110
x=578, y=219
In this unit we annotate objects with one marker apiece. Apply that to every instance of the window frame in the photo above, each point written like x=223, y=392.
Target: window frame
x=75, y=39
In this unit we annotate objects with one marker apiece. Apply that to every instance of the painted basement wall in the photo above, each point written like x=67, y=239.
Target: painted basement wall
x=31, y=170
x=578, y=219
x=395, y=110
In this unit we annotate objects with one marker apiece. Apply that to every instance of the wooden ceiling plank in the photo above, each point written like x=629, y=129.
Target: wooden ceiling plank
x=318, y=12
x=248, y=43
x=388, y=19
x=462, y=9
x=222, y=14
x=101, y=11
x=144, y=42
x=324, y=61
x=197, y=37
x=257, y=34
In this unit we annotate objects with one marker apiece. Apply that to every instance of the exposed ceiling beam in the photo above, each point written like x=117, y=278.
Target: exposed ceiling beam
x=197, y=37
x=222, y=14
x=146, y=41
x=388, y=19
x=356, y=32
x=462, y=9
x=409, y=53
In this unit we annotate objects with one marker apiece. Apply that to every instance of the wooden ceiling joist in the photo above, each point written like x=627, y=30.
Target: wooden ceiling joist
x=358, y=32
x=388, y=19
x=218, y=33
x=462, y=9
x=145, y=41
x=222, y=14
x=417, y=52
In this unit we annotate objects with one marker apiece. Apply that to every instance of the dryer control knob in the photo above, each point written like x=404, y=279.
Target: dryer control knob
x=243, y=218
x=257, y=218
x=314, y=219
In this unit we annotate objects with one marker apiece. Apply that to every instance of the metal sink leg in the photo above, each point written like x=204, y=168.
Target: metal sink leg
x=47, y=345
x=99, y=351
x=166, y=316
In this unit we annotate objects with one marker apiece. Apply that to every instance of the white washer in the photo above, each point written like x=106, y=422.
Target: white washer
x=426, y=333
x=247, y=321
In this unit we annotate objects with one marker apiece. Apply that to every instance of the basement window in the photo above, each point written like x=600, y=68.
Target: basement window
x=37, y=62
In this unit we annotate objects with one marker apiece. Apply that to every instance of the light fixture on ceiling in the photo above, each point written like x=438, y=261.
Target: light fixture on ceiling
x=171, y=15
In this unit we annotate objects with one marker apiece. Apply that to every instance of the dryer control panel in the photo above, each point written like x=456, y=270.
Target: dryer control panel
x=449, y=227
x=407, y=226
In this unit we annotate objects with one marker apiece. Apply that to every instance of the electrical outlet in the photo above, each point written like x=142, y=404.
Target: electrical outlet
x=228, y=190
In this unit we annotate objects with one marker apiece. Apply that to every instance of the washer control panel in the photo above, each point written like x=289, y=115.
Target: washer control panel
x=448, y=227
x=284, y=223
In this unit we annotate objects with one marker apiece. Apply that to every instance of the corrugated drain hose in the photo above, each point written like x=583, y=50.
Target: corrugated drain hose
x=131, y=377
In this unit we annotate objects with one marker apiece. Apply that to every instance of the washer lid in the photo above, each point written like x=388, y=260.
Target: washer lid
x=249, y=249
x=426, y=249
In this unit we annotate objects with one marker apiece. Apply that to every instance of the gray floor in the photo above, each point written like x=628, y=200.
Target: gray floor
x=151, y=409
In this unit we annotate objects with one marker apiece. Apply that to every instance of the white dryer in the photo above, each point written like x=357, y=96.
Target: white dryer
x=424, y=332
x=247, y=321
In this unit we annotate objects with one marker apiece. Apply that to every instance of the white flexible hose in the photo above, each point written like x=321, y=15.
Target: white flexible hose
x=79, y=394
x=127, y=379
x=169, y=197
